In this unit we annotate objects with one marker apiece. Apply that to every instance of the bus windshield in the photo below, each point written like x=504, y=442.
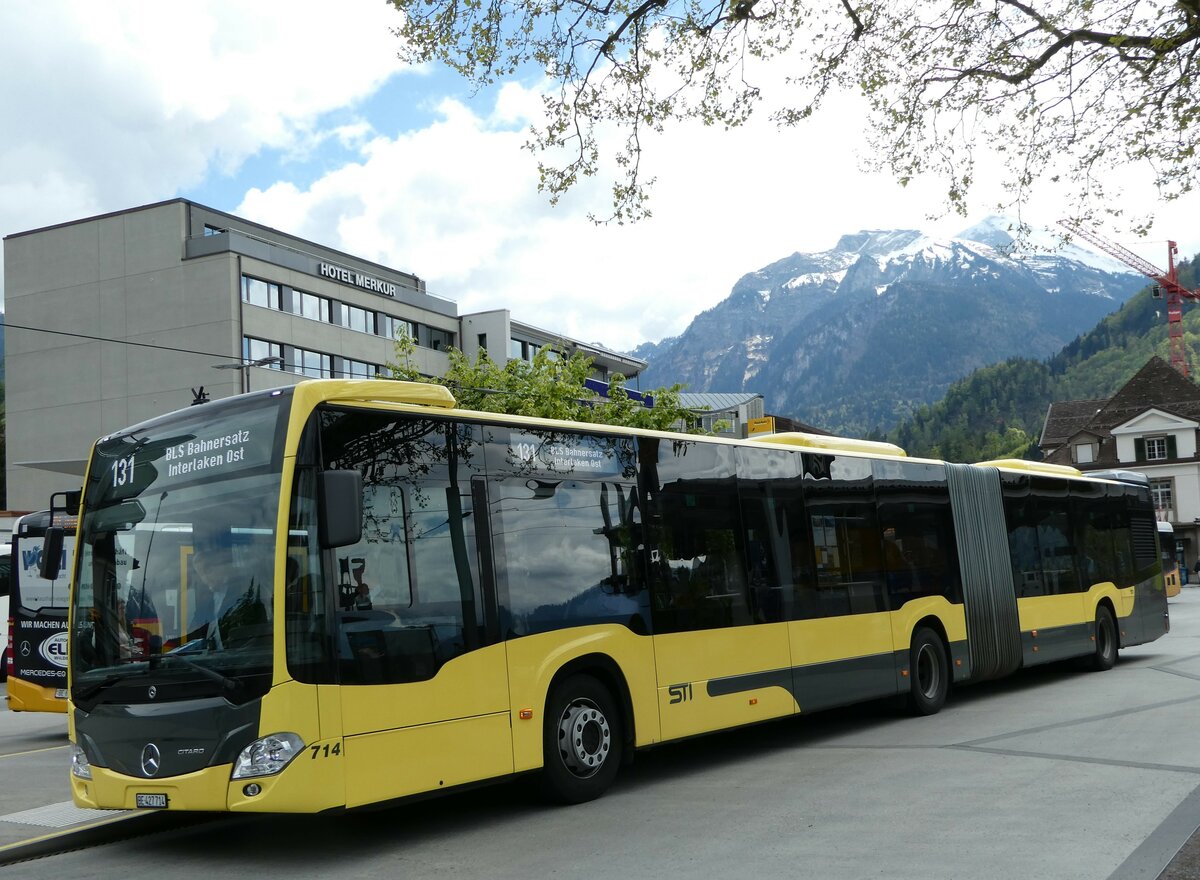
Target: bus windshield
x=39, y=615
x=175, y=551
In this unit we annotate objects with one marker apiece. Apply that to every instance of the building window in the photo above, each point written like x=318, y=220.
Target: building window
x=257, y=292
x=212, y=230
x=312, y=364
x=518, y=350
x=434, y=337
x=1161, y=491
x=358, y=369
x=1156, y=448
x=355, y=318
x=311, y=306
x=258, y=349
x=1085, y=453
x=394, y=328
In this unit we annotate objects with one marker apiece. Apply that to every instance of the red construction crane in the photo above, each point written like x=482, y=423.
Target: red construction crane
x=1165, y=283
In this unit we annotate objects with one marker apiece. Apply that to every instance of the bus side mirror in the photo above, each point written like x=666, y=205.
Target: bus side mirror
x=50, y=564
x=339, y=508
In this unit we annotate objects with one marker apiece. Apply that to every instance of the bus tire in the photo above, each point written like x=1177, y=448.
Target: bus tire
x=582, y=741
x=1105, y=655
x=928, y=673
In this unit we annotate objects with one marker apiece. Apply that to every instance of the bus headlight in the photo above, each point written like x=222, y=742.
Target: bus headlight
x=79, y=762
x=267, y=756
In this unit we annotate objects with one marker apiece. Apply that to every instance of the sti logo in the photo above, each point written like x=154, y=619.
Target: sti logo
x=54, y=650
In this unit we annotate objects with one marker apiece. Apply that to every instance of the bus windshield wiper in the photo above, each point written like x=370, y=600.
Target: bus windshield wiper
x=230, y=685
x=131, y=668
x=86, y=693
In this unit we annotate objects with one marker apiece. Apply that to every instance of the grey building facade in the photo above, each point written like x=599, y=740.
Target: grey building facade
x=505, y=339
x=119, y=318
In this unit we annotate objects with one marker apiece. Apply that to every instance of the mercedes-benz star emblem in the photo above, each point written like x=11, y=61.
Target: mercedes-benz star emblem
x=153, y=692
x=26, y=650
x=151, y=759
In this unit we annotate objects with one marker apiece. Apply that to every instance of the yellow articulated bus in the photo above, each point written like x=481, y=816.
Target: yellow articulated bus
x=351, y=592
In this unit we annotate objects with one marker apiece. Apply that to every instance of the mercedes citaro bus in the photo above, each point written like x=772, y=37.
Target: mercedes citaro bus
x=350, y=592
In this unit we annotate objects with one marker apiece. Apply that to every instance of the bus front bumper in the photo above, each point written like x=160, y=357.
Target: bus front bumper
x=310, y=787
x=206, y=790
x=25, y=696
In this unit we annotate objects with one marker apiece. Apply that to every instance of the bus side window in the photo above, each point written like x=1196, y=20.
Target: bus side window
x=1093, y=540
x=840, y=501
x=778, y=549
x=920, y=549
x=701, y=579
x=1023, y=548
x=1055, y=538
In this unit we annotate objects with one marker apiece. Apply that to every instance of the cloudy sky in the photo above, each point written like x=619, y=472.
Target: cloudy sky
x=298, y=115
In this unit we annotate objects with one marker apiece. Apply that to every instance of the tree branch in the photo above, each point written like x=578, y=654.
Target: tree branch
x=1156, y=46
x=635, y=16
x=859, y=30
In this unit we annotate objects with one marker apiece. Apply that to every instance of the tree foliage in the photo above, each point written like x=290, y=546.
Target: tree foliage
x=548, y=386
x=1063, y=88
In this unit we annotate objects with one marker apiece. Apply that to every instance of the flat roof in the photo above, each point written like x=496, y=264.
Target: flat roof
x=188, y=202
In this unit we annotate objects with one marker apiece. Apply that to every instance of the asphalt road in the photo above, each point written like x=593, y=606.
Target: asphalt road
x=1053, y=773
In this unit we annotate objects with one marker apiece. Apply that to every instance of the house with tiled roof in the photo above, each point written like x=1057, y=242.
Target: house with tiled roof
x=1150, y=425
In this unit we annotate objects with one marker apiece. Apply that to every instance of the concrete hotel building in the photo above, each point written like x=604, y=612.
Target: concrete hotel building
x=119, y=318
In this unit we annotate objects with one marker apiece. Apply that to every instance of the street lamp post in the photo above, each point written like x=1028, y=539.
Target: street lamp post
x=245, y=364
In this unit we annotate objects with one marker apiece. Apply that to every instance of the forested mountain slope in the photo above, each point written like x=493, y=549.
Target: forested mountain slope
x=998, y=411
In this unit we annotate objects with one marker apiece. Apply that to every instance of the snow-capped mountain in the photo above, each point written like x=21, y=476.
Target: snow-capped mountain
x=855, y=337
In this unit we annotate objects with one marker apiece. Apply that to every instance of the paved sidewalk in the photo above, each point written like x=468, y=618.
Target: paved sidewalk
x=35, y=799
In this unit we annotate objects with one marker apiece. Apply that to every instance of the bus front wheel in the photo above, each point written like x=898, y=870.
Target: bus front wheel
x=928, y=673
x=582, y=741
x=1105, y=655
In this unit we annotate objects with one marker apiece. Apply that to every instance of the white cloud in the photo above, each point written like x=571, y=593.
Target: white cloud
x=456, y=204
x=120, y=103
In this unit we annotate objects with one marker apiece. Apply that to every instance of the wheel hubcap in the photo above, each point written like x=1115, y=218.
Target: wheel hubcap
x=929, y=672
x=584, y=738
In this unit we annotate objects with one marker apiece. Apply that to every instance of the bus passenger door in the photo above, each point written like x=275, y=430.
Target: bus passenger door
x=423, y=681
x=841, y=631
x=1050, y=583
x=721, y=642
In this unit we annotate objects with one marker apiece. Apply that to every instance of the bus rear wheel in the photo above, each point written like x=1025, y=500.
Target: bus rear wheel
x=582, y=740
x=928, y=673
x=1105, y=655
